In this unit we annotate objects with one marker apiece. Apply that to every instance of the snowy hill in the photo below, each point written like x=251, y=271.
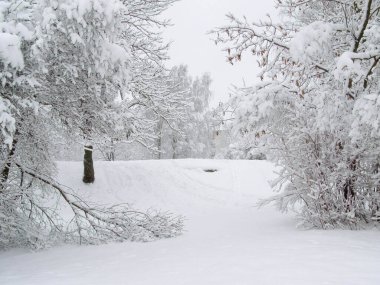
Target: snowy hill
x=176, y=185
x=227, y=240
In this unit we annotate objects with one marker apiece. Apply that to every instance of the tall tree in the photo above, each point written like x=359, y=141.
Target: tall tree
x=62, y=64
x=83, y=50
x=194, y=136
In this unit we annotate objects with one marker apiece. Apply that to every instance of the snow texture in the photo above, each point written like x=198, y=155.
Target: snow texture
x=10, y=52
x=228, y=241
x=311, y=41
x=7, y=122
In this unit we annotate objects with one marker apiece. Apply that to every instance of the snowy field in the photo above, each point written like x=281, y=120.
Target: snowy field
x=227, y=240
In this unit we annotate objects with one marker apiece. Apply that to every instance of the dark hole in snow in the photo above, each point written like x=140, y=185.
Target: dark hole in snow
x=210, y=170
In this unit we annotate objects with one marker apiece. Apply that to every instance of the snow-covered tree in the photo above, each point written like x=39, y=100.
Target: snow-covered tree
x=151, y=97
x=245, y=144
x=16, y=76
x=316, y=112
x=81, y=46
x=200, y=129
x=191, y=135
x=63, y=64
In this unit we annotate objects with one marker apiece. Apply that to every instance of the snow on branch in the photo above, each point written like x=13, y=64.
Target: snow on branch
x=264, y=39
x=316, y=113
x=96, y=224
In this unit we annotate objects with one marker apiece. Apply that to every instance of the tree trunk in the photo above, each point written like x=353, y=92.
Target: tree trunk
x=174, y=146
x=110, y=155
x=89, y=173
x=348, y=188
x=159, y=139
x=5, y=172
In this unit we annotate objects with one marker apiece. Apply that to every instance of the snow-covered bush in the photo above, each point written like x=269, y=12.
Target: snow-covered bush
x=245, y=144
x=316, y=112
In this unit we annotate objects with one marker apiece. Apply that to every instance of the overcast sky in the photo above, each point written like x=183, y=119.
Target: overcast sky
x=191, y=45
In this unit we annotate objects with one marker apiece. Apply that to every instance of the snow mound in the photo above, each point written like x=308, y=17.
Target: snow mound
x=182, y=186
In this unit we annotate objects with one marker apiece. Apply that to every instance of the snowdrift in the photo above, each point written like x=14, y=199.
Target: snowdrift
x=227, y=240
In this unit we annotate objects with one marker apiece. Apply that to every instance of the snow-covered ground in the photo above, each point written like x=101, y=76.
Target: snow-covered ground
x=227, y=240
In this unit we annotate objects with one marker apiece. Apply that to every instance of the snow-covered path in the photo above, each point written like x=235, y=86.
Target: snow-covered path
x=227, y=241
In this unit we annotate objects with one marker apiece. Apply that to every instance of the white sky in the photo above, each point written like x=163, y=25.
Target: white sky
x=191, y=20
